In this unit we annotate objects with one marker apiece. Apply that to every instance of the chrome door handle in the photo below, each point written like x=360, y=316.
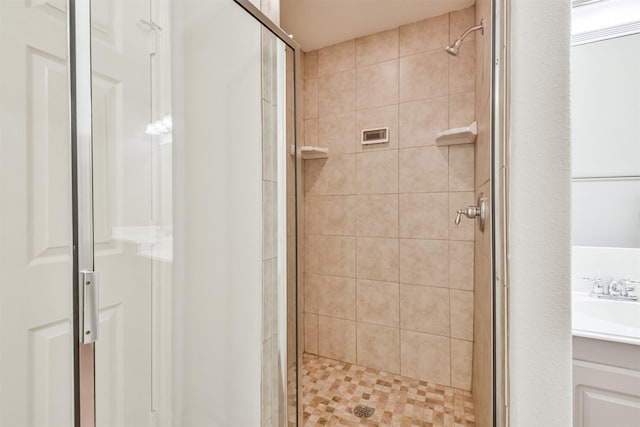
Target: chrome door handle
x=90, y=306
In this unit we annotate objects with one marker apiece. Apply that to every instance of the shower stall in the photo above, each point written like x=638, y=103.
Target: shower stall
x=175, y=250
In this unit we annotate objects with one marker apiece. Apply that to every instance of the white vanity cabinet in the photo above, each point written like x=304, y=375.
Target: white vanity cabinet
x=606, y=383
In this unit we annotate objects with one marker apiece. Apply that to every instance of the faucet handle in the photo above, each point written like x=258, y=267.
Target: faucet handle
x=629, y=285
x=599, y=288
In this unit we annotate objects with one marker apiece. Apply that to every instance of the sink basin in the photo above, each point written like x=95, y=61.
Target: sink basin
x=606, y=319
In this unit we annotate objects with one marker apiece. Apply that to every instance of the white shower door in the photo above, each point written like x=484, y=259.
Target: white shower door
x=35, y=216
x=36, y=279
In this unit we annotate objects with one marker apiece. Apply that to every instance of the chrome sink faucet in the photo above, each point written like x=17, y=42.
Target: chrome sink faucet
x=615, y=289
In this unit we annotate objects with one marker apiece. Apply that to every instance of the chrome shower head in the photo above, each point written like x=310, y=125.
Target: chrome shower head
x=455, y=47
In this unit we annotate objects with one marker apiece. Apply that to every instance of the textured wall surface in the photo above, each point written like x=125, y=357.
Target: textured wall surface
x=540, y=209
x=482, y=349
x=388, y=278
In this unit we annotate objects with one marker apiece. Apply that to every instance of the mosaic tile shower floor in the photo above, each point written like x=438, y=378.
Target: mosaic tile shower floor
x=332, y=389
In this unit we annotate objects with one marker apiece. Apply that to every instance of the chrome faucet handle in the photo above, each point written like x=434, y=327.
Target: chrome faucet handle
x=459, y=216
x=480, y=211
x=616, y=287
x=629, y=285
x=599, y=288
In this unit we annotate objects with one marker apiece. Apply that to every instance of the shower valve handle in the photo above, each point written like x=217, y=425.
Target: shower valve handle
x=470, y=212
x=479, y=211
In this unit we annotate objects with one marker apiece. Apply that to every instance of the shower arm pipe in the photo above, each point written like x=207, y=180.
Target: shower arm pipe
x=469, y=31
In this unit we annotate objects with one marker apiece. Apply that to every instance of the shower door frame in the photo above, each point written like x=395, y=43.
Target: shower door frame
x=80, y=80
x=288, y=40
x=499, y=167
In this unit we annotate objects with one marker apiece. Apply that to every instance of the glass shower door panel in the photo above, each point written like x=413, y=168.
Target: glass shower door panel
x=228, y=121
x=36, y=355
x=126, y=228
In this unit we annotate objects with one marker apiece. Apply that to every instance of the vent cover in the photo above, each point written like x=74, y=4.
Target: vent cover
x=375, y=136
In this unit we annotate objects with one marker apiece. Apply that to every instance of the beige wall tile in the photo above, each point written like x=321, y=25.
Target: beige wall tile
x=424, y=215
x=377, y=47
x=424, y=75
x=424, y=262
x=485, y=236
x=332, y=176
x=379, y=347
x=425, y=35
x=461, y=70
x=269, y=285
x=338, y=57
x=464, y=231
x=377, y=85
x=269, y=220
x=311, y=64
x=337, y=297
x=377, y=215
x=330, y=255
x=421, y=121
x=461, y=167
x=482, y=352
x=311, y=333
x=266, y=384
x=461, y=109
x=483, y=147
x=330, y=215
x=377, y=172
x=378, y=302
x=426, y=357
x=378, y=259
x=291, y=257
x=268, y=68
x=310, y=109
x=311, y=132
x=461, y=265
x=311, y=293
x=337, y=338
x=338, y=133
x=459, y=21
x=424, y=309
x=374, y=118
x=461, y=358
x=337, y=93
x=462, y=314
x=310, y=173
x=269, y=142
x=424, y=169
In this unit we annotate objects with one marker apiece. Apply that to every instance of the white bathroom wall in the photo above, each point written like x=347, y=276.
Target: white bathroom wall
x=218, y=186
x=539, y=233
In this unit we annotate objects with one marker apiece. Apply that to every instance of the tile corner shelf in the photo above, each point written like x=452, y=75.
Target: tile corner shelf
x=463, y=135
x=309, y=152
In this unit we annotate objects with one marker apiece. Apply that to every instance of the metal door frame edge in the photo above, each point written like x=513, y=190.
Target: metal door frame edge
x=80, y=115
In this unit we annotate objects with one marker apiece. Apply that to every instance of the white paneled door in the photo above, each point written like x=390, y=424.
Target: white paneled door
x=36, y=345
x=36, y=357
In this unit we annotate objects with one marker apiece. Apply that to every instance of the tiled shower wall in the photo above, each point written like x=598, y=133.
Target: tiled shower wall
x=272, y=384
x=482, y=355
x=388, y=278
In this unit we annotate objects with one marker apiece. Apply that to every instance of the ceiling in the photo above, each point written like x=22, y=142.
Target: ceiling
x=319, y=23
